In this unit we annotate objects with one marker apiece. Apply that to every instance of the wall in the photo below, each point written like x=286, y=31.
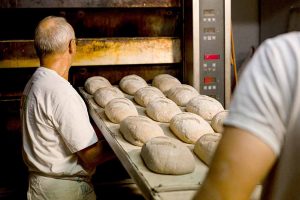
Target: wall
x=275, y=16
x=245, y=24
x=254, y=21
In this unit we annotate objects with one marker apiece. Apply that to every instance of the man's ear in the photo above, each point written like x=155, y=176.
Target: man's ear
x=72, y=46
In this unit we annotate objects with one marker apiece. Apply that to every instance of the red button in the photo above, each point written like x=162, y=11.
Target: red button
x=211, y=56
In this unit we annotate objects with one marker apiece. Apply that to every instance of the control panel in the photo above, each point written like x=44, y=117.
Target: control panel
x=207, y=47
x=212, y=51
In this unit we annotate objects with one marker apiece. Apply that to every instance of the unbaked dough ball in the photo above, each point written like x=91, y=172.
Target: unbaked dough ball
x=218, y=120
x=206, y=146
x=189, y=127
x=205, y=106
x=131, y=83
x=144, y=95
x=164, y=82
x=162, y=109
x=137, y=130
x=167, y=156
x=119, y=108
x=182, y=94
x=103, y=95
x=93, y=83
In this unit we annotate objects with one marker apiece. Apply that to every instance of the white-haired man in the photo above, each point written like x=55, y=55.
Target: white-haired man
x=60, y=147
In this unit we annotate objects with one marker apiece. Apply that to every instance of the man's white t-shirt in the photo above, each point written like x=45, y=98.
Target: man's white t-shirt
x=267, y=104
x=55, y=125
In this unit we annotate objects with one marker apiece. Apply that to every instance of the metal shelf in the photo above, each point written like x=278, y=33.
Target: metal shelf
x=88, y=3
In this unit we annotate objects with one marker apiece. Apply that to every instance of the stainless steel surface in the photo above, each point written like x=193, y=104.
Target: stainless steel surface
x=87, y=3
x=227, y=63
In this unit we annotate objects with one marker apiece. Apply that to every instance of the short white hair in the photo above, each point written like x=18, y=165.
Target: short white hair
x=52, y=35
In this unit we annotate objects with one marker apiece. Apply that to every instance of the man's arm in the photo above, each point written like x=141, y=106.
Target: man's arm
x=96, y=154
x=240, y=163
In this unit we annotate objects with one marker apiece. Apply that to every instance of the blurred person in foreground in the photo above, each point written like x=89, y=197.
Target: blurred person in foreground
x=261, y=139
x=60, y=146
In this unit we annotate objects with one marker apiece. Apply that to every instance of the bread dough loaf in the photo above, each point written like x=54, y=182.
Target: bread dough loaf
x=93, y=83
x=131, y=83
x=162, y=109
x=218, y=120
x=205, y=106
x=206, y=146
x=164, y=82
x=167, y=156
x=189, y=127
x=182, y=94
x=144, y=95
x=137, y=130
x=103, y=95
x=119, y=108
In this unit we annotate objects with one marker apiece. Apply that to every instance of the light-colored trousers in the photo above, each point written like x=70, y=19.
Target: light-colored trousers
x=47, y=188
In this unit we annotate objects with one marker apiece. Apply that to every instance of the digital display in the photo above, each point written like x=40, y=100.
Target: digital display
x=210, y=80
x=209, y=13
x=209, y=30
x=211, y=56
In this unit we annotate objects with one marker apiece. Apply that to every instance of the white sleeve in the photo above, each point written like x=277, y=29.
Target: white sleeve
x=261, y=101
x=72, y=122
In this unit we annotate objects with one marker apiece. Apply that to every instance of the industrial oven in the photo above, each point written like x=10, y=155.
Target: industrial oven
x=189, y=39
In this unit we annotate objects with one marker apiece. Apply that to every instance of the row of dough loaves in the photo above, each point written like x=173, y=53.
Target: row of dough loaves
x=163, y=84
x=144, y=94
x=159, y=153
x=132, y=83
x=189, y=127
x=129, y=84
x=161, y=110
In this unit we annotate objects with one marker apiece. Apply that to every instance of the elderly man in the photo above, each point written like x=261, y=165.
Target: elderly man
x=60, y=147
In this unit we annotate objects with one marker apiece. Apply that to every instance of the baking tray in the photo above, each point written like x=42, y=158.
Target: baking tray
x=153, y=185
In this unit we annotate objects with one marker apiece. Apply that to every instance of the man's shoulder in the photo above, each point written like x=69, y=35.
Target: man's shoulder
x=291, y=39
x=280, y=50
x=48, y=78
x=49, y=84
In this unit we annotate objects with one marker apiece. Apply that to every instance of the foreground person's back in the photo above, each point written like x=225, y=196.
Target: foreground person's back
x=261, y=139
